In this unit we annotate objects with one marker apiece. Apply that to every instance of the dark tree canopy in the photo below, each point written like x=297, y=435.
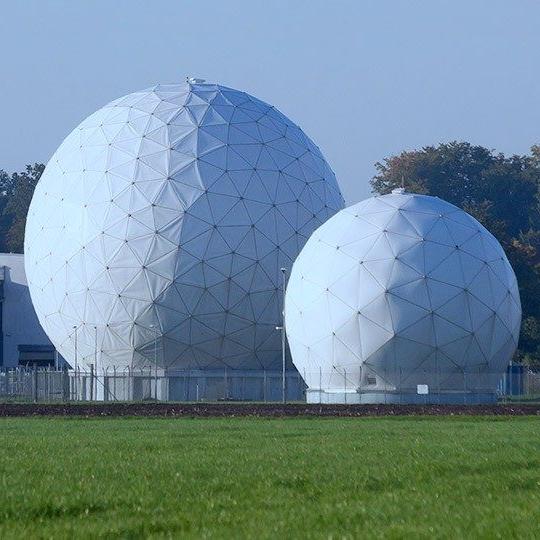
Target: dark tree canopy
x=16, y=192
x=501, y=192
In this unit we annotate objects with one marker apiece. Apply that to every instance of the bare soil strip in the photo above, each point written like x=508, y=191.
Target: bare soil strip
x=262, y=409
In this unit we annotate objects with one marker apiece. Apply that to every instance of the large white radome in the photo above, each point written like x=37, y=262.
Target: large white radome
x=401, y=290
x=164, y=218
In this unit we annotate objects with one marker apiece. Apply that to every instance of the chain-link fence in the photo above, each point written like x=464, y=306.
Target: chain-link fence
x=448, y=384
x=519, y=383
x=34, y=384
x=148, y=384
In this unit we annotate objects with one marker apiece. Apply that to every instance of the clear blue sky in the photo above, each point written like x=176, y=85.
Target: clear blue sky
x=365, y=79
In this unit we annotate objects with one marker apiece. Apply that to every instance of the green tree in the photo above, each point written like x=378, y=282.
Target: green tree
x=501, y=192
x=16, y=193
x=6, y=192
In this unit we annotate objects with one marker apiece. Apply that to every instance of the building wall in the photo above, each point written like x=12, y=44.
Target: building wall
x=20, y=325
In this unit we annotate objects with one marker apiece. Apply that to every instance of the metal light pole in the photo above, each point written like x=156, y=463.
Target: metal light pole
x=283, y=337
x=95, y=362
x=76, y=365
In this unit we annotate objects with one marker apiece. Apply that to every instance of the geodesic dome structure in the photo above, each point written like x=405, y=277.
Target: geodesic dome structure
x=158, y=229
x=399, y=291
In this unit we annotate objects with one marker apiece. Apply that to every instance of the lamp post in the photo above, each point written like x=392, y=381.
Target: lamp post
x=95, y=362
x=283, y=337
x=76, y=365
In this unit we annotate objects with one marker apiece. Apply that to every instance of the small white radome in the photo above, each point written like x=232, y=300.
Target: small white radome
x=398, y=291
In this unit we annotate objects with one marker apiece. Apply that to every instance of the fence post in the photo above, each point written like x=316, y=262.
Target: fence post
x=320, y=385
x=35, y=384
x=91, y=382
x=345, y=385
x=511, y=393
x=438, y=378
x=63, y=384
x=156, y=380
x=385, y=384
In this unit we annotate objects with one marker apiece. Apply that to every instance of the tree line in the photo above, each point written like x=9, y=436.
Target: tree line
x=16, y=192
x=502, y=192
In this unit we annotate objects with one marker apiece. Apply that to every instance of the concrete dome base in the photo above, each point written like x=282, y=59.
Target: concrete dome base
x=404, y=398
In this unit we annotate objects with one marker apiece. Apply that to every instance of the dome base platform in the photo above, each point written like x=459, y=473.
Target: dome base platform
x=393, y=398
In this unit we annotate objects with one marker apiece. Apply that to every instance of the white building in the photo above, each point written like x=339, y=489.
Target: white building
x=23, y=340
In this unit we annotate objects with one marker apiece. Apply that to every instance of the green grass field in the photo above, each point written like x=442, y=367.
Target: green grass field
x=270, y=478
